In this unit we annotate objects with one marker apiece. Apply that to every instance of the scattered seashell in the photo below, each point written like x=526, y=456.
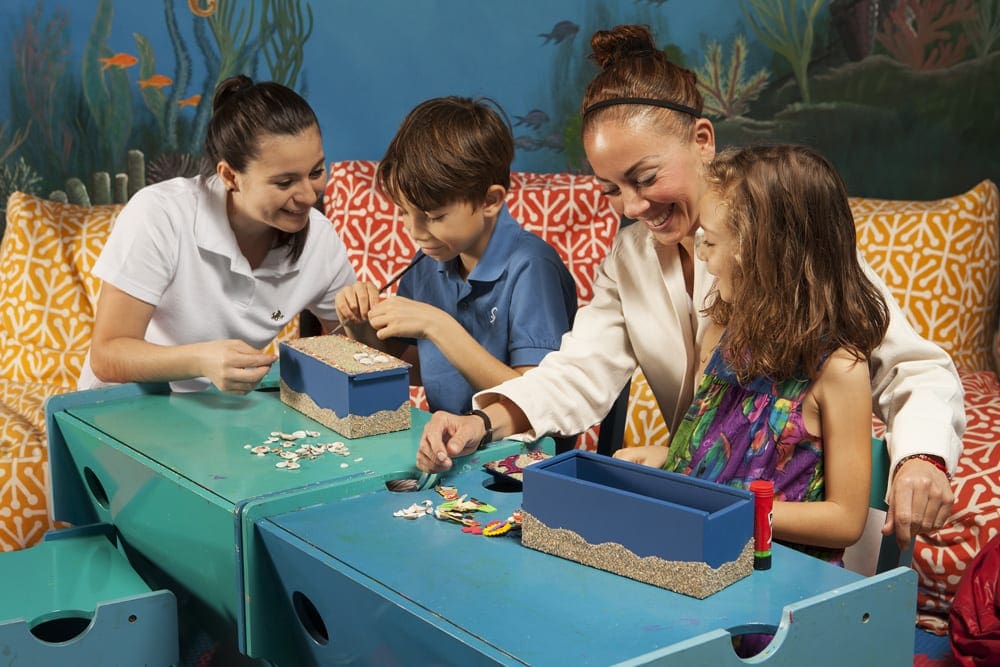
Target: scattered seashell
x=359, y=459
x=380, y=359
x=367, y=361
x=281, y=464
x=299, y=434
x=312, y=434
x=344, y=465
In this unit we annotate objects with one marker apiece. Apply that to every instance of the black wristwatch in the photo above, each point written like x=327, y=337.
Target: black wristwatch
x=488, y=437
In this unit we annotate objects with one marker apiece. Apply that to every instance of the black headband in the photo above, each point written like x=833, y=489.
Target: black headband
x=642, y=100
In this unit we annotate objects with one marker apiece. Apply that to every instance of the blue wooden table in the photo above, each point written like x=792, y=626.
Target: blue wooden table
x=360, y=586
x=172, y=473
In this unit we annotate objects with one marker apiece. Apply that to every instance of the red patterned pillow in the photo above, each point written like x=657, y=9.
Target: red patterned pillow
x=940, y=558
x=566, y=210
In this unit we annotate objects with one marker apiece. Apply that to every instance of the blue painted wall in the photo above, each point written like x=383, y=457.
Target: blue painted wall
x=367, y=62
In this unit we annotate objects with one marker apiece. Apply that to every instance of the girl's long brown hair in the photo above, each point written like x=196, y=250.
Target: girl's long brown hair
x=799, y=291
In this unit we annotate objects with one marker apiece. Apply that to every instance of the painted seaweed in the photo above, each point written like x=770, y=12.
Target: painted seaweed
x=726, y=91
x=779, y=28
x=924, y=34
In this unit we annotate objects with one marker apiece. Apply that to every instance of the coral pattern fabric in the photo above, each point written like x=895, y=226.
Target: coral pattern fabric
x=940, y=259
x=47, y=302
x=567, y=211
x=941, y=558
x=47, y=311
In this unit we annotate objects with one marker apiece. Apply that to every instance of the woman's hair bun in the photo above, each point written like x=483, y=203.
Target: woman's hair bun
x=623, y=41
x=228, y=88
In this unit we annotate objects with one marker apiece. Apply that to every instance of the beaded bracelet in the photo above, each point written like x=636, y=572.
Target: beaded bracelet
x=936, y=461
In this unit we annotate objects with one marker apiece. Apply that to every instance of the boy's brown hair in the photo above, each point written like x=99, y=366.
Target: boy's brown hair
x=799, y=290
x=448, y=150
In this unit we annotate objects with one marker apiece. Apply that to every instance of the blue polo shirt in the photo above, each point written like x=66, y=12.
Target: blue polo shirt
x=517, y=303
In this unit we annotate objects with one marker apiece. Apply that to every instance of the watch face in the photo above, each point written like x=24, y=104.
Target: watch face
x=512, y=467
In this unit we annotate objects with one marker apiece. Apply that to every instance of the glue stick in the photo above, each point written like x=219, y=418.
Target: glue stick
x=763, y=503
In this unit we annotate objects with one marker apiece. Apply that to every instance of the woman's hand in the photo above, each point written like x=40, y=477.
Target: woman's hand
x=233, y=366
x=653, y=456
x=446, y=436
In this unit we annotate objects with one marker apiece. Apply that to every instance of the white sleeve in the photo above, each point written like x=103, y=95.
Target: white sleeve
x=337, y=270
x=140, y=255
x=574, y=387
x=915, y=390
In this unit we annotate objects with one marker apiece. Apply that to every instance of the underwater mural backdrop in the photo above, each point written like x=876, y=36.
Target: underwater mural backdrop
x=901, y=95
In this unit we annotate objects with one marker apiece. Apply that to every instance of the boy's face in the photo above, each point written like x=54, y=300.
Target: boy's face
x=459, y=228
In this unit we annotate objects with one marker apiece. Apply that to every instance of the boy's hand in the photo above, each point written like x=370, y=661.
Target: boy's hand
x=355, y=301
x=404, y=318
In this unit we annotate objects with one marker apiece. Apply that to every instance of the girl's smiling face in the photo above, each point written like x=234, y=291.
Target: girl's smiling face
x=718, y=245
x=652, y=175
x=282, y=184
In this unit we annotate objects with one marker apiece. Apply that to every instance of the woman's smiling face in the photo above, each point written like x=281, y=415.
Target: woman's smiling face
x=650, y=175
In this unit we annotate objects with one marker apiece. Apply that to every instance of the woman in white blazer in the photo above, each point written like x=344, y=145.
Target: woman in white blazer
x=647, y=142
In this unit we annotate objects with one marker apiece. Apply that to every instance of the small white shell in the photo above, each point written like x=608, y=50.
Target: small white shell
x=380, y=359
x=343, y=465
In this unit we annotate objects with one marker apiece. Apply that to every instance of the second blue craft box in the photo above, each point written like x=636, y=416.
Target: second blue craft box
x=650, y=512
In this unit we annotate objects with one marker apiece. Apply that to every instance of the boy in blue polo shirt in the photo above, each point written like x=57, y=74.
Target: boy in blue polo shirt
x=484, y=300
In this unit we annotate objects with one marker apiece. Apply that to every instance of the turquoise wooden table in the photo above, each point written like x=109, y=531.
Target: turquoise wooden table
x=361, y=586
x=173, y=474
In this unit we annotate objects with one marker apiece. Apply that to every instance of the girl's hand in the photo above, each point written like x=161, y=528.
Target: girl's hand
x=234, y=366
x=399, y=317
x=354, y=302
x=653, y=456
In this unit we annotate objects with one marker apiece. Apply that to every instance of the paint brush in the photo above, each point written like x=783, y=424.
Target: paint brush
x=395, y=279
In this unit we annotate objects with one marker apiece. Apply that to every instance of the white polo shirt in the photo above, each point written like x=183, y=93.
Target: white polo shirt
x=172, y=247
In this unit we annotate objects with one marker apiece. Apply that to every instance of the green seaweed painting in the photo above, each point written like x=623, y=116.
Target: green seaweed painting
x=140, y=100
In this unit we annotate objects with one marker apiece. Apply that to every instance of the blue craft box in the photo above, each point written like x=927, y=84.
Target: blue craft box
x=352, y=399
x=650, y=512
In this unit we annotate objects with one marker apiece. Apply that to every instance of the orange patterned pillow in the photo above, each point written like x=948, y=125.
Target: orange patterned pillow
x=940, y=260
x=644, y=424
x=47, y=294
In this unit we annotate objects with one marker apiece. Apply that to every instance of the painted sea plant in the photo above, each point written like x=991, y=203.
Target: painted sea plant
x=926, y=34
x=726, y=90
x=777, y=25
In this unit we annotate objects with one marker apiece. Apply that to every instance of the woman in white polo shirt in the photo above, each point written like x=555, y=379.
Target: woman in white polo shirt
x=199, y=274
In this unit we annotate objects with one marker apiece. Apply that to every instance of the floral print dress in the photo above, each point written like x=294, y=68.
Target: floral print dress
x=734, y=433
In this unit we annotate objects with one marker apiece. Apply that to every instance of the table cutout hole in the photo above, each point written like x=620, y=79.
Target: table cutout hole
x=61, y=630
x=503, y=485
x=96, y=488
x=310, y=618
x=402, y=485
x=865, y=617
x=751, y=640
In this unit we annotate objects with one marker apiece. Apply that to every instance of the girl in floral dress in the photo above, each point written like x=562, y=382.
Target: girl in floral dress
x=784, y=389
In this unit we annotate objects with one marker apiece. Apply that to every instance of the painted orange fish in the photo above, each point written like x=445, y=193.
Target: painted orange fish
x=198, y=10
x=190, y=101
x=156, y=81
x=120, y=60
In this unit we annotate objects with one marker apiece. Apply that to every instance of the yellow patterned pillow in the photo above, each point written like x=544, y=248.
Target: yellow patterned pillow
x=47, y=294
x=644, y=423
x=940, y=260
